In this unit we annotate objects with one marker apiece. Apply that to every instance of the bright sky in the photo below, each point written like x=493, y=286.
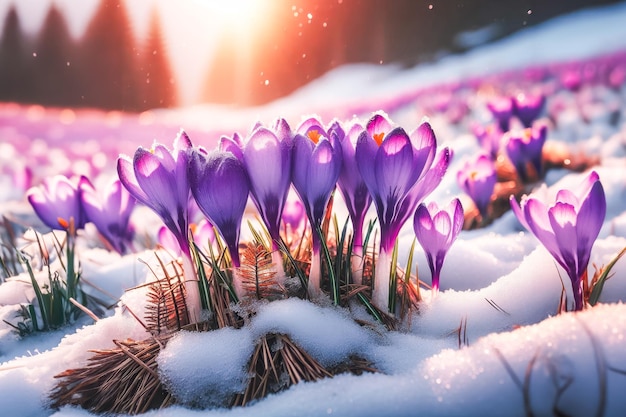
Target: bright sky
x=189, y=26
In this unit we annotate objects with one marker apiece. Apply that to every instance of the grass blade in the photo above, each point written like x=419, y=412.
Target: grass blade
x=599, y=286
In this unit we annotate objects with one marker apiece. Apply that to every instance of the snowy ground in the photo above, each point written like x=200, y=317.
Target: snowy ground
x=522, y=356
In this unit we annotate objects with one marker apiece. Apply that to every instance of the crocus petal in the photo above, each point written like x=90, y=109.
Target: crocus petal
x=458, y=217
x=182, y=142
x=336, y=129
x=126, y=174
x=563, y=222
x=443, y=229
x=422, y=222
x=156, y=181
x=227, y=144
x=393, y=167
x=590, y=219
x=425, y=143
x=163, y=156
x=365, y=154
x=311, y=123
x=324, y=170
x=283, y=131
x=168, y=240
x=379, y=125
x=303, y=148
x=568, y=197
x=518, y=211
x=427, y=184
x=536, y=215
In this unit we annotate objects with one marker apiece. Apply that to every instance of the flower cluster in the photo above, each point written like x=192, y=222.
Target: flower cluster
x=376, y=162
x=69, y=203
x=514, y=133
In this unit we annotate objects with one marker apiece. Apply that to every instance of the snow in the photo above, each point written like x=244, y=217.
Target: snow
x=499, y=286
x=221, y=372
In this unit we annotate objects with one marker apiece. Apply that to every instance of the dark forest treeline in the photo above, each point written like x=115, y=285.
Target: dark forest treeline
x=107, y=68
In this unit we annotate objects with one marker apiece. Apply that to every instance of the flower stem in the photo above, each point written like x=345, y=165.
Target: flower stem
x=356, y=265
x=192, y=290
x=238, y=284
x=316, y=273
x=435, y=287
x=579, y=299
x=277, y=261
x=380, y=293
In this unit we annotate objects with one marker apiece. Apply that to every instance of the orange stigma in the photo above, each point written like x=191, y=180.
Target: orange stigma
x=63, y=223
x=314, y=135
x=378, y=137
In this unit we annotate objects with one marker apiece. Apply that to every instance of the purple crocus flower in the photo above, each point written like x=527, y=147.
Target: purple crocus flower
x=502, y=110
x=527, y=107
x=477, y=178
x=158, y=179
x=110, y=212
x=572, y=79
x=57, y=202
x=568, y=227
x=489, y=138
x=219, y=183
x=524, y=149
x=436, y=229
x=267, y=159
x=202, y=234
x=293, y=213
x=15, y=180
x=355, y=194
x=391, y=163
x=315, y=168
x=352, y=185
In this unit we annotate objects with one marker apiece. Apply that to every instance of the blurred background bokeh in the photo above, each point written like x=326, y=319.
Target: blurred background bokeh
x=135, y=55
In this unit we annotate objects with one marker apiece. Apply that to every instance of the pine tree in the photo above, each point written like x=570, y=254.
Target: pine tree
x=157, y=82
x=15, y=68
x=55, y=75
x=108, y=60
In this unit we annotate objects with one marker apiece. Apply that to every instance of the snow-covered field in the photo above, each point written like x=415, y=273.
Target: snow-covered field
x=513, y=354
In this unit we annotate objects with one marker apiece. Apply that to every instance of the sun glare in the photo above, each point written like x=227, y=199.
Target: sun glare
x=237, y=12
